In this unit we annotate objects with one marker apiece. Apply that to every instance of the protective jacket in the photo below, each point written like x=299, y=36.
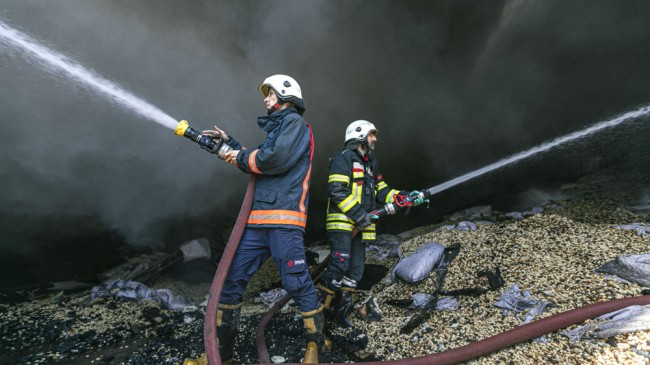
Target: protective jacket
x=355, y=186
x=283, y=167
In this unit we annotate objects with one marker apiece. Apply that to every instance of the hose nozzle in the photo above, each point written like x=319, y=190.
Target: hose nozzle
x=182, y=126
x=214, y=146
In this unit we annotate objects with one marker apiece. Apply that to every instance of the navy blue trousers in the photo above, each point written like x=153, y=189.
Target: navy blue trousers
x=286, y=246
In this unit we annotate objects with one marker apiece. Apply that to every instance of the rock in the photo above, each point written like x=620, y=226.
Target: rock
x=278, y=359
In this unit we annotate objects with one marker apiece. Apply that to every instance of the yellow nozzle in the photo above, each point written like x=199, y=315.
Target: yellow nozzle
x=181, y=128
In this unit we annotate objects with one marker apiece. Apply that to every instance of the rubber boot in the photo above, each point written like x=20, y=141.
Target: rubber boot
x=227, y=329
x=203, y=360
x=343, y=306
x=325, y=298
x=313, y=323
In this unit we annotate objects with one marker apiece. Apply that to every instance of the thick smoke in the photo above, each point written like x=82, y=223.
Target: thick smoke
x=452, y=86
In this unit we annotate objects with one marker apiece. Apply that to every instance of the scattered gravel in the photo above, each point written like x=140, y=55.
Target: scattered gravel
x=552, y=254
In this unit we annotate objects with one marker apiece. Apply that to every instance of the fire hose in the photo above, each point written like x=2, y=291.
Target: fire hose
x=453, y=356
x=210, y=323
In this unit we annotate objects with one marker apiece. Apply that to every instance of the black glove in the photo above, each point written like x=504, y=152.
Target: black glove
x=367, y=220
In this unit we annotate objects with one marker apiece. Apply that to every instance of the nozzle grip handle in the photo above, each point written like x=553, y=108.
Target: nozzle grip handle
x=214, y=146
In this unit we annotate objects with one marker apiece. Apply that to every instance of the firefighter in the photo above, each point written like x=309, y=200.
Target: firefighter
x=276, y=225
x=355, y=187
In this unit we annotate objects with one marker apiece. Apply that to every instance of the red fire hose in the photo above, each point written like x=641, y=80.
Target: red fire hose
x=209, y=326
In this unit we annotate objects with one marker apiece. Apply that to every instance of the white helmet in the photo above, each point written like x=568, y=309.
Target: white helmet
x=286, y=88
x=359, y=130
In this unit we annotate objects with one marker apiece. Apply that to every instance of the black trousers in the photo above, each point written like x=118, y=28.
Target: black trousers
x=347, y=258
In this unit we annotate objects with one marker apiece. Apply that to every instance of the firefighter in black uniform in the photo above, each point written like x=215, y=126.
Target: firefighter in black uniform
x=355, y=186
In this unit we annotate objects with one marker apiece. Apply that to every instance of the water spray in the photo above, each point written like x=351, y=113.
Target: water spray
x=216, y=146
x=57, y=62
x=406, y=202
x=643, y=111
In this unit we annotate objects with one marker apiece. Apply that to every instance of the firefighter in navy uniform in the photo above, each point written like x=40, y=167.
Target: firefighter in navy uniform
x=355, y=187
x=275, y=227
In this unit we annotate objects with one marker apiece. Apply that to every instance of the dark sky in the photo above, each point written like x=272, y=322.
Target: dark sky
x=451, y=86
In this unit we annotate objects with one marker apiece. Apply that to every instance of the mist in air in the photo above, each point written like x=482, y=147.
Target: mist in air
x=451, y=86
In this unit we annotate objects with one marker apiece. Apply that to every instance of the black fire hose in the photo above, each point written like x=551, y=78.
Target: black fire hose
x=518, y=334
x=209, y=325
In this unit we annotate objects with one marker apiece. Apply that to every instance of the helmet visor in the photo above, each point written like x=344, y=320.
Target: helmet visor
x=264, y=89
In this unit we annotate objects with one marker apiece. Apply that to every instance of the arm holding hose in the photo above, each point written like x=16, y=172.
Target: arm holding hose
x=216, y=133
x=413, y=199
x=229, y=156
x=402, y=201
x=284, y=145
x=214, y=141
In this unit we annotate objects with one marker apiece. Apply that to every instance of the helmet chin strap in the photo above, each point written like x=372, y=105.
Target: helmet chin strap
x=367, y=151
x=365, y=144
x=274, y=108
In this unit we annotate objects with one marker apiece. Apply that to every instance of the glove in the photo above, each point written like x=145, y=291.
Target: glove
x=366, y=221
x=419, y=199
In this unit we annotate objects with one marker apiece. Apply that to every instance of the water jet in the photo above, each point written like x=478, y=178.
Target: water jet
x=54, y=61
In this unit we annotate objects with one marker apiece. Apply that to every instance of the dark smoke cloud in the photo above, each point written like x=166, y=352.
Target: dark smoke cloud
x=451, y=85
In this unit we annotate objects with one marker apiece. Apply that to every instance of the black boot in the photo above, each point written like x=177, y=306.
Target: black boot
x=313, y=322
x=343, y=306
x=227, y=329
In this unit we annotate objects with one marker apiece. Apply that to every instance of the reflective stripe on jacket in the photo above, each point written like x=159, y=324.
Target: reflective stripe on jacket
x=355, y=186
x=282, y=164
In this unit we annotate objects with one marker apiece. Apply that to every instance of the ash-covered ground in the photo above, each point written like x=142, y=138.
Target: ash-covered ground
x=551, y=251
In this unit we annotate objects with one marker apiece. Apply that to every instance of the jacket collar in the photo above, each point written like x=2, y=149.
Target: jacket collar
x=354, y=148
x=268, y=122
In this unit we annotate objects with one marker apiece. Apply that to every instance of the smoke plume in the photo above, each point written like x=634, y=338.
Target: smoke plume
x=451, y=86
